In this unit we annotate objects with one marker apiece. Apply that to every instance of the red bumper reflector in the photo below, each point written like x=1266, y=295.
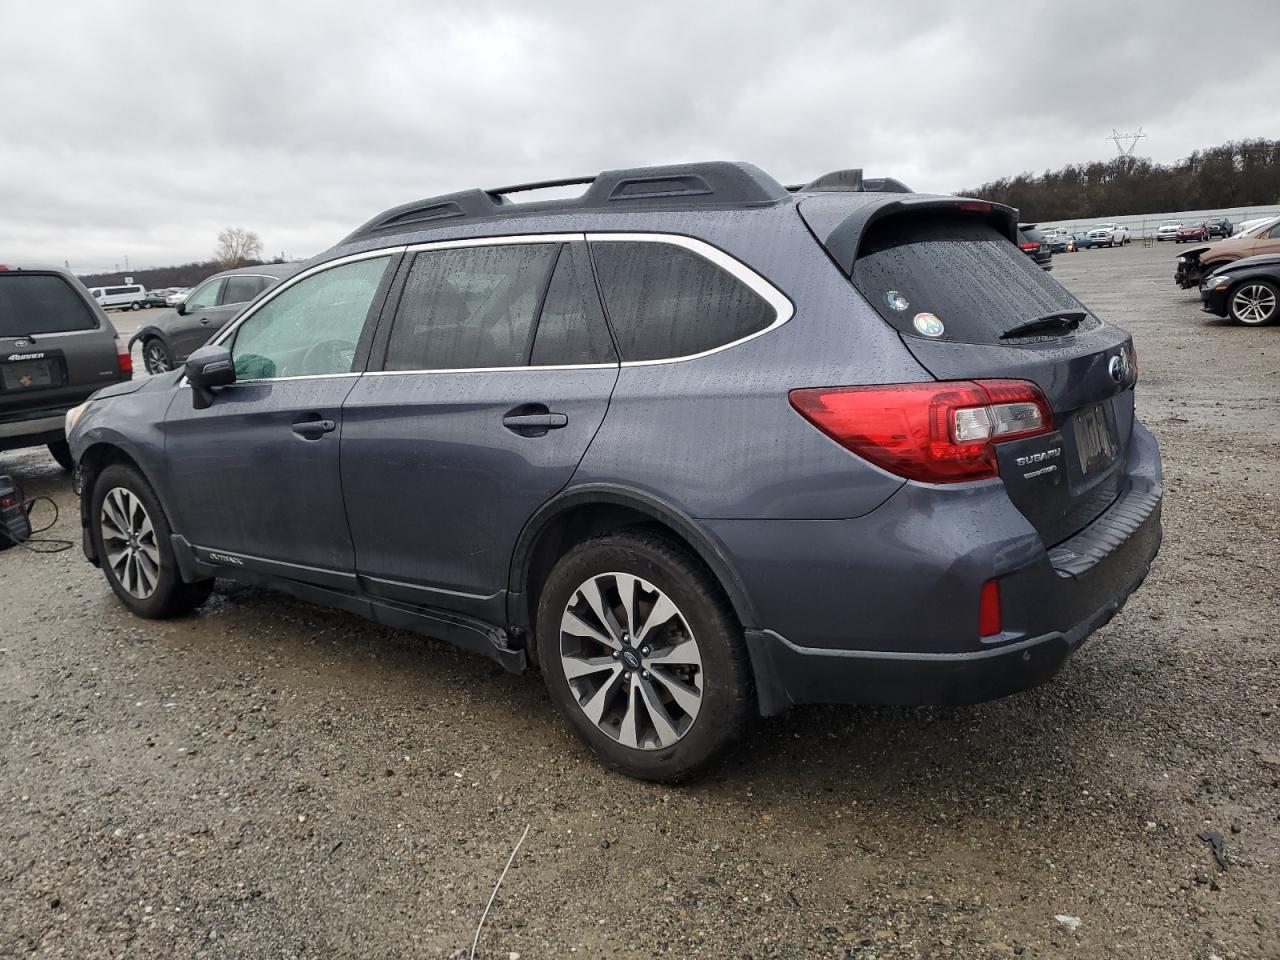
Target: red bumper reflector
x=989, y=620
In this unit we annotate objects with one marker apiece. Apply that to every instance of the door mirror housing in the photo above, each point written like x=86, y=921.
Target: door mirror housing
x=182, y=308
x=210, y=366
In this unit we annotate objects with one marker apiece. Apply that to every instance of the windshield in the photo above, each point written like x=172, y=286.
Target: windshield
x=966, y=279
x=36, y=303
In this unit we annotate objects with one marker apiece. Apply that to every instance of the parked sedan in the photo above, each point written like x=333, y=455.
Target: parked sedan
x=206, y=310
x=1247, y=290
x=176, y=296
x=155, y=298
x=1192, y=232
x=1168, y=230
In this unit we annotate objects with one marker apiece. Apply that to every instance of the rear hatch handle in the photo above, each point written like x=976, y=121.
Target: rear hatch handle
x=1064, y=320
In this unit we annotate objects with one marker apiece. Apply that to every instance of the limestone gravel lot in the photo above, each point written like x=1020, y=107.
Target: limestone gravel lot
x=269, y=779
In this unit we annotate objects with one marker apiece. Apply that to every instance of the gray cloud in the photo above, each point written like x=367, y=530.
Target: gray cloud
x=142, y=128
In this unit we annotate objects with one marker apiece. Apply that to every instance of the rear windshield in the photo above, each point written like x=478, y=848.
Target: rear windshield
x=968, y=280
x=34, y=303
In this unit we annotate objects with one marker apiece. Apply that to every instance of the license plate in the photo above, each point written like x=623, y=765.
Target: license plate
x=27, y=375
x=1095, y=446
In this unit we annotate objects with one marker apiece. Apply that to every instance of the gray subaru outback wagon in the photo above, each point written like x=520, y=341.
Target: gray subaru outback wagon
x=698, y=445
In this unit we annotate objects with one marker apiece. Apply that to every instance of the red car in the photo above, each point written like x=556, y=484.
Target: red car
x=1193, y=231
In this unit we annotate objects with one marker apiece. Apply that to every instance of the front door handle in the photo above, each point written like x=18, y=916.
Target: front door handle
x=533, y=420
x=314, y=429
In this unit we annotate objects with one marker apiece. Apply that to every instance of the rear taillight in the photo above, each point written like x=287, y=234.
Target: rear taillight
x=932, y=432
x=124, y=361
x=1028, y=247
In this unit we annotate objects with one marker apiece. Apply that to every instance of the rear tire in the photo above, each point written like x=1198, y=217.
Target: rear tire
x=131, y=539
x=680, y=688
x=1254, y=303
x=136, y=305
x=60, y=450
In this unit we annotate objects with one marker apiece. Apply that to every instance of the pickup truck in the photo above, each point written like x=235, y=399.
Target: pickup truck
x=1109, y=235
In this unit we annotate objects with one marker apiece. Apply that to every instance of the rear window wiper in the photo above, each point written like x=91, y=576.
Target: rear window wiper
x=1065, y=320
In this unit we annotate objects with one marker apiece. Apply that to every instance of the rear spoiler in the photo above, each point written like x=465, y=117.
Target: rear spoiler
x=840, y=221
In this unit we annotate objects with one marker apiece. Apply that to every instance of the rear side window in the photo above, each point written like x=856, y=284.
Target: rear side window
x=961, y=270
x=571, y=328
x=41, y=303
x=241, y=289
x=666, y=301
x=470, y=307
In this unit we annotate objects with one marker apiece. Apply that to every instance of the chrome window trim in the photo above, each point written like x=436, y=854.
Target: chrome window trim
x=782, y=306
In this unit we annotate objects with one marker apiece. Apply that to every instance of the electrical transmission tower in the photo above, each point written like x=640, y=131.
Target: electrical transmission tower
x=1125, y=142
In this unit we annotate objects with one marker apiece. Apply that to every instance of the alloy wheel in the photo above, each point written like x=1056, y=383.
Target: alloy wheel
x=1253, y=303
x=631, y=660
x=129, y=541
x=155, y=357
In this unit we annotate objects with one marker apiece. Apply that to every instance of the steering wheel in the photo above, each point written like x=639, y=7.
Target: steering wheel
x=329, y=356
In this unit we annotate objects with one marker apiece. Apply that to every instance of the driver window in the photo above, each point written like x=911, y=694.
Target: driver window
x=206, y=296
x=312, y=328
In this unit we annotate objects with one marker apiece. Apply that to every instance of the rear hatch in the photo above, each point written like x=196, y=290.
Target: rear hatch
x=54, y=347
x=991, y=313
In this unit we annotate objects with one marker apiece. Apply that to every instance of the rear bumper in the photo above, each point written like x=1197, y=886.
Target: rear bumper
x=31, y=428
x=787, y=674
x=883, y=609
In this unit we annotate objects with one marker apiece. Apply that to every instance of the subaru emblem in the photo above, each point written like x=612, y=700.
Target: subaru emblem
x=1117, y=368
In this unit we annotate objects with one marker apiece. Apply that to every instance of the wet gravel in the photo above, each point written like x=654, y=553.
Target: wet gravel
x=270, y=779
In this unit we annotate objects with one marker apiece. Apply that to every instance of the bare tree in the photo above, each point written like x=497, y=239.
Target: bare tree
x=236, y=246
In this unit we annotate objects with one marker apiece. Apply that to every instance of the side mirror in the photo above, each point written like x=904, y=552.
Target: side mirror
x=182, y=308
x=210, y=366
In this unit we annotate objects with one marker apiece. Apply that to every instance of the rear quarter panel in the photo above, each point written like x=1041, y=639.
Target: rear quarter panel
x=716, y=437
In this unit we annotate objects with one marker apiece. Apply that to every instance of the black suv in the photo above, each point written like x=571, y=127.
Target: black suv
x=699, y=446
x=56, y=347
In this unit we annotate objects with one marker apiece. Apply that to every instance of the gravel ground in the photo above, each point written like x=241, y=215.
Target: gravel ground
x=270, y=779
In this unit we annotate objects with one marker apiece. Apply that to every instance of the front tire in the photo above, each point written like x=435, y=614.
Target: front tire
x=156, y=356
x=131, y=538
x=643, y=655
x=1254, y=303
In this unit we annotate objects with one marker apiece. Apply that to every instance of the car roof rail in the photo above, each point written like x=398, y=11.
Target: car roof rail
x=715, y=184
x=851, y=181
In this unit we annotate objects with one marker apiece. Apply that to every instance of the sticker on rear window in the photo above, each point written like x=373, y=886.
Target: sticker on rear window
x=896, y=300
x=928, y=325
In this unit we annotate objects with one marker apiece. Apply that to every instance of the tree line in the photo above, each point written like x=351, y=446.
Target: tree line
x=1239, y=173
x=237, y=247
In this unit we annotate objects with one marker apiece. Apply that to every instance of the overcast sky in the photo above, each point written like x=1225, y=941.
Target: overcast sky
x=140, y=129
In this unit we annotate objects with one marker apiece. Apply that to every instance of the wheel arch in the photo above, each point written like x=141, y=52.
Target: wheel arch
x=588, y=511
x=148, y=332
x=97, y=457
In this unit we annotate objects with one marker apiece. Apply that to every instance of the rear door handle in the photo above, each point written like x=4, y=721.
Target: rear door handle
x=314, y=429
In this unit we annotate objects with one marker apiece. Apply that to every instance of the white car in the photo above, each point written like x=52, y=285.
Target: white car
x=1109, y=235
x=176, y=296
x=1168, y=230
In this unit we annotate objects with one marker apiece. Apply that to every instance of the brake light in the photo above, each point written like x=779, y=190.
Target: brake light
x=124, y=361
x=1028, y=246
x=976, y=206
x=990, y=622
x=942, y=432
